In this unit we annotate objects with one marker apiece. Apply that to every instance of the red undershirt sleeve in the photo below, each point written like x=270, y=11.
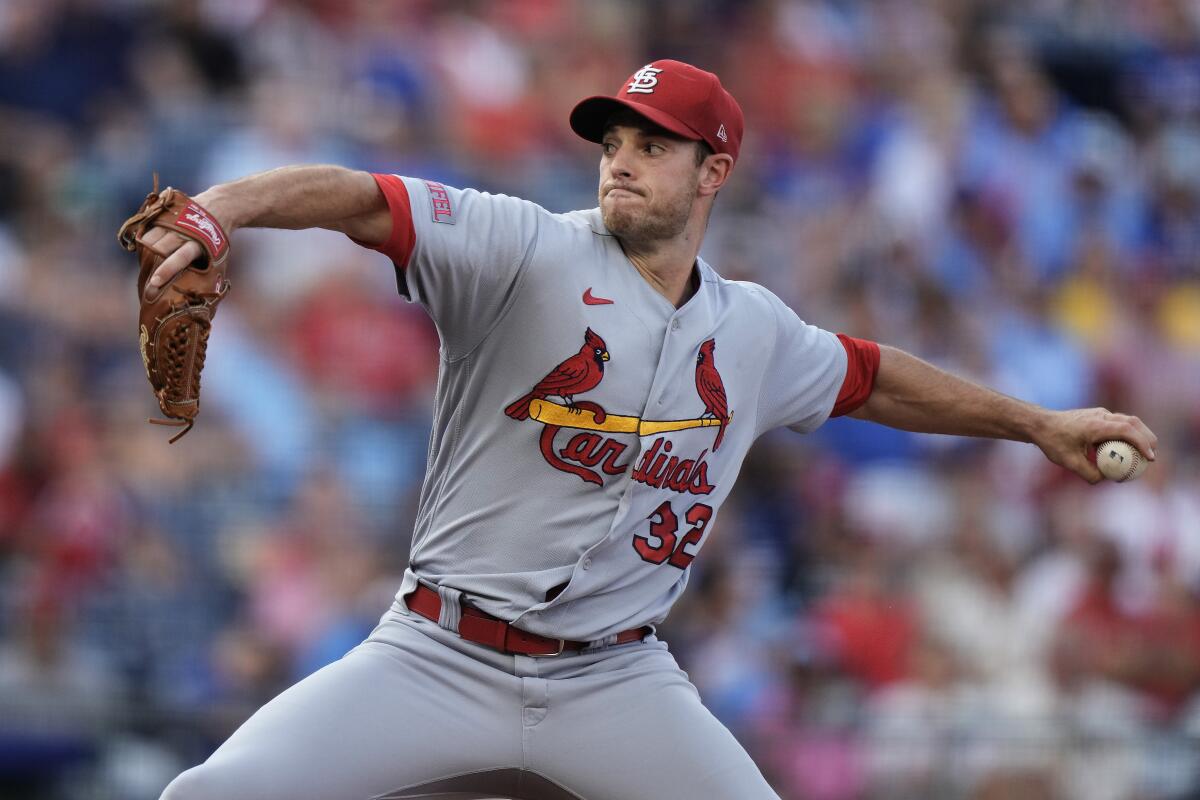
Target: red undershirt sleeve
x=862, y=365
x=403, y=239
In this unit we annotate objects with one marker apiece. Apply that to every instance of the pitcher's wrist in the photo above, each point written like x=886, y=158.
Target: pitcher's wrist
x=1034, y=426
x=217, y=203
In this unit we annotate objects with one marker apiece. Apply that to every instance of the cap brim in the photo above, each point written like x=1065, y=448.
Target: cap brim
x=590, y=116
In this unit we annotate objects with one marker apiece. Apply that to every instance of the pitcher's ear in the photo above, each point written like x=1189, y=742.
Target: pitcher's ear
x=715, y=172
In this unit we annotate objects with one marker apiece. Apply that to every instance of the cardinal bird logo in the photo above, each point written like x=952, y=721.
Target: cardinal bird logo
x=579, y=373
x=711, y=389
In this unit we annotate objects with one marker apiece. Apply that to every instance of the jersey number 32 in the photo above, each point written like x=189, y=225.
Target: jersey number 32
x=662, y=543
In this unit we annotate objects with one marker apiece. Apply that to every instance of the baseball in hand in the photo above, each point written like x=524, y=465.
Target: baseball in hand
x=1119, y=460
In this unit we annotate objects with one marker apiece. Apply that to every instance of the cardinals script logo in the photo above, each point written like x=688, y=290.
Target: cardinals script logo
x=589, y=453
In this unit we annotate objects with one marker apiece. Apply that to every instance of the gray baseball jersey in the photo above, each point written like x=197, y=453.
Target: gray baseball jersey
x=585, y=430
x=585, y=433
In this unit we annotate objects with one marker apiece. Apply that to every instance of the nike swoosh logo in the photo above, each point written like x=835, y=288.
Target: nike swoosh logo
x=591, y=300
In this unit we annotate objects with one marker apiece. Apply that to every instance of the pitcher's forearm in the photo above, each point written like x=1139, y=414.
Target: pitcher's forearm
x=330, y=197
x=914, y=395
x=316, y=196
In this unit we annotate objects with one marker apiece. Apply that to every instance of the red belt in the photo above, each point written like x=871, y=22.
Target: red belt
x=480, y=628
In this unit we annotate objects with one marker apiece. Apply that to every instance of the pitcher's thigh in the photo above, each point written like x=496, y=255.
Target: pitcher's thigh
x=379, y=719
x=637, y=735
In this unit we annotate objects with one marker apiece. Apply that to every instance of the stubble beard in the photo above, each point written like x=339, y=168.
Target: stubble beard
x=645, y=226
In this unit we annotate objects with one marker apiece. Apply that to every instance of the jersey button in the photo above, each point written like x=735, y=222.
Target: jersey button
x=587, y=563
x=674, y=324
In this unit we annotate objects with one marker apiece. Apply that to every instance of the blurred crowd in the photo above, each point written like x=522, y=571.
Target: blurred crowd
x=1010, y=189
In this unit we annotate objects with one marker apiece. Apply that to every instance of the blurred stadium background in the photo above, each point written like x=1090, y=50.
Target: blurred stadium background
x=1010, y=189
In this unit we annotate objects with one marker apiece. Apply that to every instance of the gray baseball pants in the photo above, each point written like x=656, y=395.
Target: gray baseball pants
x=417, y=712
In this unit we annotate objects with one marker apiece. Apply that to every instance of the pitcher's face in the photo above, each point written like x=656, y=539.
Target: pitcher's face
x=648, y=182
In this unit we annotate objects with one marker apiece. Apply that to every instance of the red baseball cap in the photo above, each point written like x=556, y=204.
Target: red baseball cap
x=685, y=100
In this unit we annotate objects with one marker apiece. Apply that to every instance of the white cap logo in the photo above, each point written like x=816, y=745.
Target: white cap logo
x=644, y=80
x=721, y=134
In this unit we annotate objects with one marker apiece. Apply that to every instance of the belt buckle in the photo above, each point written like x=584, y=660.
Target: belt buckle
x=562, y=643
x=525, y=637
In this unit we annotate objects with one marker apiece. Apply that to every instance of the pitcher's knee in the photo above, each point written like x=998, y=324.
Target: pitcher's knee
x=225, y=778
x=198, y=783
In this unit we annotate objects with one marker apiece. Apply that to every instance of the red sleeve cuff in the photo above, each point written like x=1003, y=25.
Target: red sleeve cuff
x=400, y=244
x=862, y=365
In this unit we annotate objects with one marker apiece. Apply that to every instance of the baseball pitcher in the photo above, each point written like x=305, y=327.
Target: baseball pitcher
x=600, y=386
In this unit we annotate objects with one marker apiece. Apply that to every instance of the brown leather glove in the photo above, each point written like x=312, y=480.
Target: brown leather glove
x=174, y=327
